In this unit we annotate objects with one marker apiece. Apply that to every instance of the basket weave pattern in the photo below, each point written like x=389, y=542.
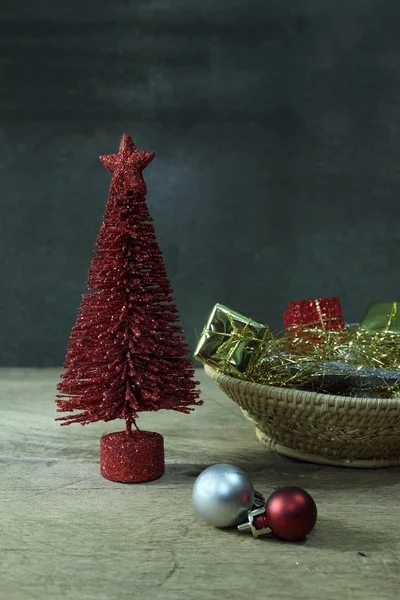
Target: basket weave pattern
x=321, y=428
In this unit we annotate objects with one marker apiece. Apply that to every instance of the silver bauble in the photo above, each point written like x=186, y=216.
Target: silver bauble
x=223, y=495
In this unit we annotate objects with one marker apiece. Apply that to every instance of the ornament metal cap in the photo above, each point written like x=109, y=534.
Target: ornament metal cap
x=256, y=518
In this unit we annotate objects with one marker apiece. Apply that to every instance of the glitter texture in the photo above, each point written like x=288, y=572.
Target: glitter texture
x=132, y=457
x=324, y=313
x=126, y=352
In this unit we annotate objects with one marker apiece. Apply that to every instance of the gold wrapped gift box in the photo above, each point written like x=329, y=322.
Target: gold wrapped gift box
x=231, y=342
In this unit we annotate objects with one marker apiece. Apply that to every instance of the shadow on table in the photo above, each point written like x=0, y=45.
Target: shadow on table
x=267, y=470
x=333, y=534
x=280, y=473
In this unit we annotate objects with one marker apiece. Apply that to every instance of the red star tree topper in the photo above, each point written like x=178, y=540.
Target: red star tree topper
x=126, y=353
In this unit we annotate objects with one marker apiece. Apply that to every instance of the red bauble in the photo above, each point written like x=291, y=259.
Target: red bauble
x=290, y=513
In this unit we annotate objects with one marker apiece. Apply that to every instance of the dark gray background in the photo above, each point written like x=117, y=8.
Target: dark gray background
x=276, y=131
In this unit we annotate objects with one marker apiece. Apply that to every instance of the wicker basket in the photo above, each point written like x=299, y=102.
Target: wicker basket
x=319, y=428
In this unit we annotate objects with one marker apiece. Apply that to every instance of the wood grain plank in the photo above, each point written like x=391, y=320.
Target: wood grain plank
x=68, y=533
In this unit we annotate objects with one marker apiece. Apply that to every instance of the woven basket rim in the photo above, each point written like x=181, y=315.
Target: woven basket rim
x=293, y=394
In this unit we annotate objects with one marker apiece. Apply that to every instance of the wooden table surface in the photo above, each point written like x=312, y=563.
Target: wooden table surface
x=65, y=532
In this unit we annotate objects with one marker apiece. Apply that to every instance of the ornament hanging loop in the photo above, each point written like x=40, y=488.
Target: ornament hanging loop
x=259, y=500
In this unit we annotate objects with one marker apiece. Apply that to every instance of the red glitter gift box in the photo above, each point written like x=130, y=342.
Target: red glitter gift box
x=322, y=313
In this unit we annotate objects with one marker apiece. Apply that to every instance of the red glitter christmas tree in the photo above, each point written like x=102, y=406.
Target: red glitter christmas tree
x=126, y=353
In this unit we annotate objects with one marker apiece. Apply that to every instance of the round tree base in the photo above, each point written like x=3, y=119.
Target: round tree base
x=132, y=458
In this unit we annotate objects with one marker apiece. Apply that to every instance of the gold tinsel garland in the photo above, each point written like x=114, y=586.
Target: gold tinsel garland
x=354, y=360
